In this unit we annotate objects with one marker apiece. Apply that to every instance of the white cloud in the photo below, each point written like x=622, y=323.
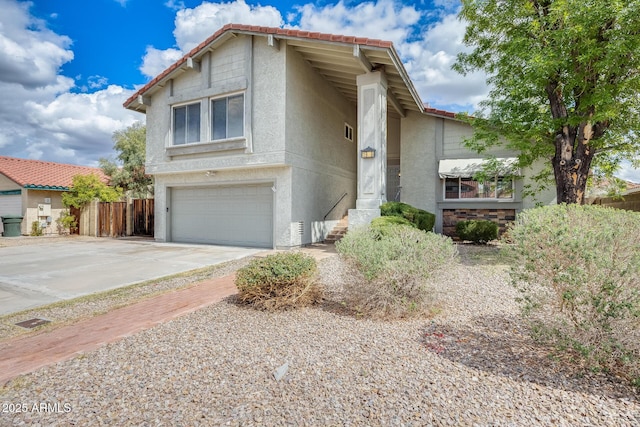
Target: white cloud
x=175, y=4
x=39, y=115
x=385, y=19
x=195, y=25
x=30, y=54
x=156, y=61
x=429, y=61
x=628, y=172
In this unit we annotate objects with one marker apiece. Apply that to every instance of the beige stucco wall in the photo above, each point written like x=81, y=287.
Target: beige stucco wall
x=31, y=200
x=425, y=141
x=323, y=160
x=8, y=184
x=418, y=162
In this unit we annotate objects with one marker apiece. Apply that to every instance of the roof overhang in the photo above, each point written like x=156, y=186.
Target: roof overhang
x=467, y=168
x=339, y=59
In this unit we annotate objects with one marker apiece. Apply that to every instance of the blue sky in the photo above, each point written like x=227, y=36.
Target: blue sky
x=66, y=66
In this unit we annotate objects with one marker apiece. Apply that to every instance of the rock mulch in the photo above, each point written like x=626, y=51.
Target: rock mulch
x=471, y=364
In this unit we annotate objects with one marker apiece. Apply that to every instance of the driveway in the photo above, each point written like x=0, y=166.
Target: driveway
x=36, y=274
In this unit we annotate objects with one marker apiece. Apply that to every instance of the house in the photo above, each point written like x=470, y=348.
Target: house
x=268, y=137
x=33, y=189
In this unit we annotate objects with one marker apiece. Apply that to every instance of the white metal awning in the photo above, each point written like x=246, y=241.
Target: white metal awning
x=466, y=168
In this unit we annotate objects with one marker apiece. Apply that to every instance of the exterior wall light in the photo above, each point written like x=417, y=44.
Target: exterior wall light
x=368, y=153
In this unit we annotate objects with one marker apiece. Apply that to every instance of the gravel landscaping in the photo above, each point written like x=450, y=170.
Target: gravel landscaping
x=471, y=364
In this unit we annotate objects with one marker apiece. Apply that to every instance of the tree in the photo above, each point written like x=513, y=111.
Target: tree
x=86, y=188
x=564, y=83
x=130, y=143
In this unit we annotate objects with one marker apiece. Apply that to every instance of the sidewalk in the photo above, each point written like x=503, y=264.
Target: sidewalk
x=22, y=355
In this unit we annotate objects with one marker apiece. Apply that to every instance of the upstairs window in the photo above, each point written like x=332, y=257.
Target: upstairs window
x=227, y=117
x=186, y=124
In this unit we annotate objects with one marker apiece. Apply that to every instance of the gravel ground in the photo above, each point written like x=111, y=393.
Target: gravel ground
x=472, y=364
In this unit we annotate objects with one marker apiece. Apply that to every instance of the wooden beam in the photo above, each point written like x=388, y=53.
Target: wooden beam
x=364, y=63
x=396, y=105
x=144, y=100
x=193, y=65
x=273, y=42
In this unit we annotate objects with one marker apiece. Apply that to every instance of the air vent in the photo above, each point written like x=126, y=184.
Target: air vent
x=301, y=227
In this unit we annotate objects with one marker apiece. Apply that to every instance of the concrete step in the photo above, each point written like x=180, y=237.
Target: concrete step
x=338, y=231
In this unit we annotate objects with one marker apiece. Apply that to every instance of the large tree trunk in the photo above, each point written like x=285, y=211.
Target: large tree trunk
x=572, y=163
x=573, y=148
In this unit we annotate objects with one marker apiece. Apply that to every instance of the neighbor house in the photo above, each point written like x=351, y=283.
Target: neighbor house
x=268, y=137
x=33, y=189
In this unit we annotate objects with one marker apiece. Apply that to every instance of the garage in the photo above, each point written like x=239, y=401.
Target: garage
x=228, y=215
x=10, y=204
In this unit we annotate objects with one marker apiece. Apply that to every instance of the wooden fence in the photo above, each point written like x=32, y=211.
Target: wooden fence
x=116, y=219
x=630, y=202
x=112, y=219
x=143, y=217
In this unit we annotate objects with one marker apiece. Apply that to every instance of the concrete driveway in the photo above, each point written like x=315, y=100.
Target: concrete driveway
x=48, y=271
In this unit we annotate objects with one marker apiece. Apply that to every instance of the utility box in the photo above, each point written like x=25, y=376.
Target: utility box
x=44, y=210
x=11, y=225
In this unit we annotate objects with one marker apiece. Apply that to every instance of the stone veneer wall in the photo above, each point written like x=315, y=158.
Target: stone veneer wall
x=451, y=216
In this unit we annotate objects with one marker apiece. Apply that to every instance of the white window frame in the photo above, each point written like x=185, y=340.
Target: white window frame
x=173, y=124
x=473, y=199
x=348, y=132
x=244, y=116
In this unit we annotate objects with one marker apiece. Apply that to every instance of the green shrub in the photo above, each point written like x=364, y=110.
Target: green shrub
x=388, y=273
x=36, y=228
x=422, y=219
x=578, y=269
x=66, y=222
x=477, y=230
x=381, y=224
x=280, y=281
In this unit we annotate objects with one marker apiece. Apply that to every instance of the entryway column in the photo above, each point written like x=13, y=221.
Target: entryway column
x=372, y=148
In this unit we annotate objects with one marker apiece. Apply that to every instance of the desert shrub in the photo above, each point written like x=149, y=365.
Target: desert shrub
x=66, y=222
x=422, y=219
x=477, y=230
x=578, y=269
x=389, y=273
x=280, y=281
x=36, y=229
x=381, y=224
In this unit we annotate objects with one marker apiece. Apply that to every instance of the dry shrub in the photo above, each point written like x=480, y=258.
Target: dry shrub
x=578, y=269
x=281, y=281
x=389, y=272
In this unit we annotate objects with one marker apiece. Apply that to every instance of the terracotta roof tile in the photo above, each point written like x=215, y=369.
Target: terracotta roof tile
x=437, y=112
x=37, y=173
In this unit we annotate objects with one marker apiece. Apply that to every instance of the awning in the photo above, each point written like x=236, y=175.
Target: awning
x=467, y=168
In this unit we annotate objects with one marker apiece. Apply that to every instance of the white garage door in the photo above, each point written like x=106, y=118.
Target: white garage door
x=234, y=215
x=10, y=204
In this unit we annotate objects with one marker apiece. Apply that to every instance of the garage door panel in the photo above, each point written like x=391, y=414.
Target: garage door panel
x=232, y=215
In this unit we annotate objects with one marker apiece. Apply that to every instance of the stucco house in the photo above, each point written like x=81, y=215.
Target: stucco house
x=33, y=189
x=268, y=137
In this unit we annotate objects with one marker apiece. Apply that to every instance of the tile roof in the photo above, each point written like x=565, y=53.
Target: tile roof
x=40, y=174
x=282, y=33
x=437, y=112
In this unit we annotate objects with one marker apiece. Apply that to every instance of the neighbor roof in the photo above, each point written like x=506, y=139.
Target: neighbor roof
x=339, y=59
x=44, y=175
